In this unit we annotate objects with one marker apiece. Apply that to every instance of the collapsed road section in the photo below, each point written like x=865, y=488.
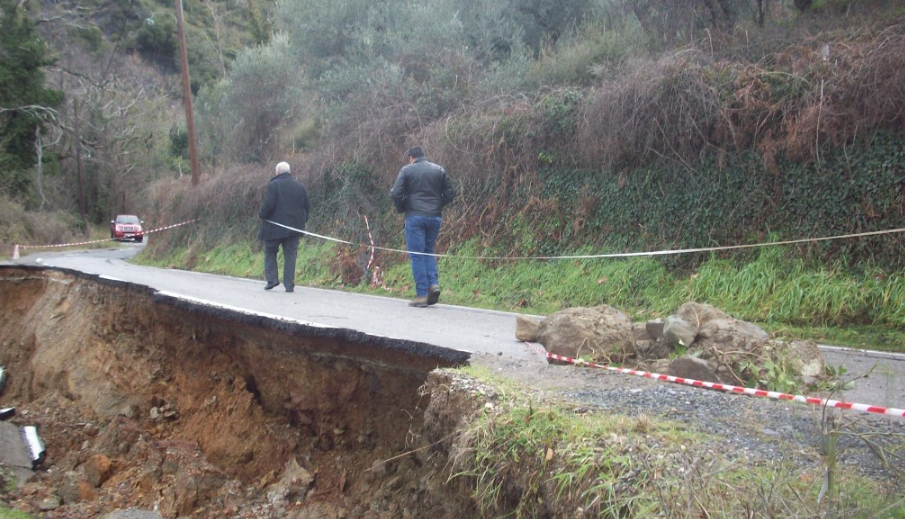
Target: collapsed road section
x=146, y=400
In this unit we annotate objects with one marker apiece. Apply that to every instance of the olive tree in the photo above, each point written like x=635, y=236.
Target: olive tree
x=242, y=117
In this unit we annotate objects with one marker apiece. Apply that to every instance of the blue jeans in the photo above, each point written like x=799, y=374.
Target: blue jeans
x=420, y=236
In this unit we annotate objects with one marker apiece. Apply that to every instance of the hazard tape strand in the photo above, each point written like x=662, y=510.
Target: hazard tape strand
x=17, y=247
x=602, y=256
x=503, y=258
x=823, y=402
x=656, y=376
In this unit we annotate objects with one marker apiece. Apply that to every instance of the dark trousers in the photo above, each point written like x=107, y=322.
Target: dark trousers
x=290, y=252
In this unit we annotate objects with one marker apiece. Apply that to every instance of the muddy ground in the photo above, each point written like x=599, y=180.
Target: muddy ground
x=150, y=403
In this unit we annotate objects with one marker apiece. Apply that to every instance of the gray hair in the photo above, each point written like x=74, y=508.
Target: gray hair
x=282, y=167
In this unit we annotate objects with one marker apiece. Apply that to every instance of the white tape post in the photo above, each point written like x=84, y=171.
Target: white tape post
x=375, y=278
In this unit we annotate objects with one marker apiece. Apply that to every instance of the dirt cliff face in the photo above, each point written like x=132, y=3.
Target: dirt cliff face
x=149, y=402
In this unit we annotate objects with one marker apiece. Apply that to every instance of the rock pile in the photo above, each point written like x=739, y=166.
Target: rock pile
x=698, y=341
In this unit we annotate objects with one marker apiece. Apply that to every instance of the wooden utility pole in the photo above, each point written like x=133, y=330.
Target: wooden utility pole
x=187, y=95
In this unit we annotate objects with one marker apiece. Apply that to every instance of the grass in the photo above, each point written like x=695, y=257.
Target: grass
x=9, y=513
x=233, y=260
x=830, y=304
x=524, y=457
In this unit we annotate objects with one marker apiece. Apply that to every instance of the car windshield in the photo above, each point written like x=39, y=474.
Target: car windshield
x=127, y=219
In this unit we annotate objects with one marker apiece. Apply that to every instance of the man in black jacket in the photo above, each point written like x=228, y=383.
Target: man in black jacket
x=421, y=191
x=285, y=212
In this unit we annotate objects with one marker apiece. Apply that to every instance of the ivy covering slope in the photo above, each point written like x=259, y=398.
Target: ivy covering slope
x=782, y=127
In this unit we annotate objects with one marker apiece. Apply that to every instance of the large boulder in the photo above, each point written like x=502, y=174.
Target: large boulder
x=716, y=347
x=699, y=313
x=602, y=333
x=739, y=352
x=719, y=334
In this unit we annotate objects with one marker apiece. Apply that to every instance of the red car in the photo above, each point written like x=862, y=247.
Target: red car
x=126, y=227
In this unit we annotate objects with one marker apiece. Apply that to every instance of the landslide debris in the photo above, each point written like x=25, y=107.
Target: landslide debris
x=148, y=403
x=153, y=407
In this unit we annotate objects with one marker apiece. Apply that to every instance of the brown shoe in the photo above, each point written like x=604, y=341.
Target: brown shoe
x=433, y=295
x=420, y=302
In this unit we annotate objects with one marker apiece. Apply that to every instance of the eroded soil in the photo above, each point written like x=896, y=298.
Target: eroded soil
x=154, y=404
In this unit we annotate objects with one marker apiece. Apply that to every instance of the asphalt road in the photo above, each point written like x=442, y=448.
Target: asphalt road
x=459, y=328
x=880, y=377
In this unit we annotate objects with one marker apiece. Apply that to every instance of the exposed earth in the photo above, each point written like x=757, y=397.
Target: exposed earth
x=151, y=408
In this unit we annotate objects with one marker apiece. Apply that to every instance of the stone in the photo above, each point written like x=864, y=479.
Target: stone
x=293, y=485
x=526, y=328
x=692, y=368
x=678, y=332
x=640, y=333
x=75, y=489
x=49, y=503
x=97, y=469
x=806, y=359
x=602, y=333
x=654, y=328
x=696, y=314
x=731, y=331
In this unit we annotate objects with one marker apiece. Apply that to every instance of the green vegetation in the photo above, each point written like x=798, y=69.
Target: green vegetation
x=571, y=127
x=9, y=513
x=27, y=106
x=52, y=227
x=528, y=458
x=776, y=290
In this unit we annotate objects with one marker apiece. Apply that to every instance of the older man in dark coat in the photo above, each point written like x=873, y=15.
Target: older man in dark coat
x=285, y=213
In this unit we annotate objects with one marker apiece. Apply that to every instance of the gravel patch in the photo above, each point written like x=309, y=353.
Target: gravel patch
x=738, y=426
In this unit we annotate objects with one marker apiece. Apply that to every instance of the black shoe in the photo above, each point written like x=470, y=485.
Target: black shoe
x=433, y=295
x=271, y=285
x=290, y=289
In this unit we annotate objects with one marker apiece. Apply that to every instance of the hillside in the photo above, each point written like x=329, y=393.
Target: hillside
x=598, y=126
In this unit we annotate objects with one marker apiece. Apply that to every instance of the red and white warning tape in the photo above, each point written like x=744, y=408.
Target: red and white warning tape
x=17, y=248
x=823, y=402
x=171, y=226
x=72, y=244
x=891, y=411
